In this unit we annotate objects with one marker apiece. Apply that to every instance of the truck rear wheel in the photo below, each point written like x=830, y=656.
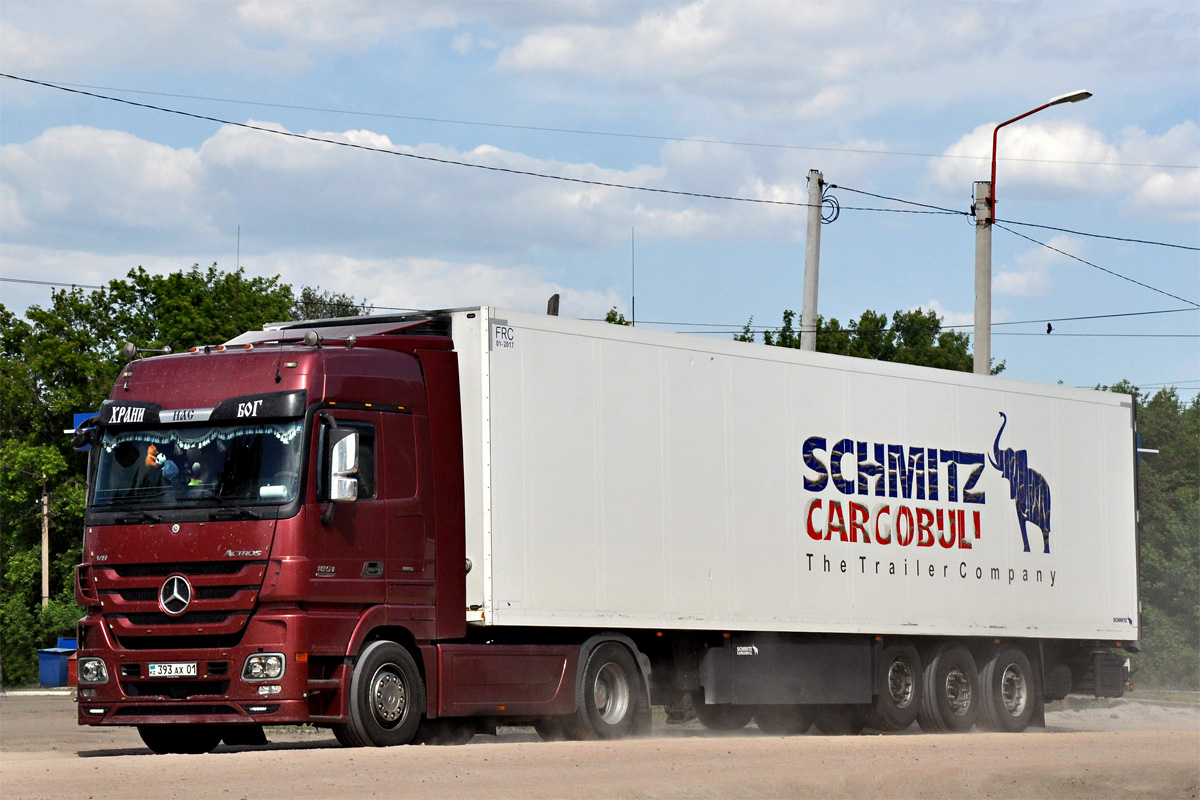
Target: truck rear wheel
x=387, y=698
x=898, y=695
x=724, y=716
x=839, y=720
x=950, y=685
x=1006, y=691
x=611, y=688
x=192, y=739
x=784, y=720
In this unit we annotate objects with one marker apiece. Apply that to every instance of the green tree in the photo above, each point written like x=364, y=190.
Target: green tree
x=313, y=302
x=62, y=359
x=614, y=317
x=1169, y=537
x=911, y=337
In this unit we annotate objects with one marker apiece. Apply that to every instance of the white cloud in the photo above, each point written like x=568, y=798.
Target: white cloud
x=1030, y=276
x=947, y=316
x=80, y=185
x=1072, y=158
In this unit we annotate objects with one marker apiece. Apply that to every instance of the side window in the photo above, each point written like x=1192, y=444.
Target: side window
x=366, y=458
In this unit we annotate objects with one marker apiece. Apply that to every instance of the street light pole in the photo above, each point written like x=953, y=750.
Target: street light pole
x=985, y=200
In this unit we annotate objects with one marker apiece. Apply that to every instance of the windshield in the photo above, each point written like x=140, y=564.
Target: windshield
x=188, y=467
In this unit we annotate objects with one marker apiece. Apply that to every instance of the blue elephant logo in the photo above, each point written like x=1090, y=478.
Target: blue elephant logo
x=1027, y=487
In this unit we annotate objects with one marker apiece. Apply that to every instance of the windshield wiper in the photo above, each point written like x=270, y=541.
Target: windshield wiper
x=229, y=509
x=134, y=514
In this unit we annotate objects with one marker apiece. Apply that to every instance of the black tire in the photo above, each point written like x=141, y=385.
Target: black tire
x=556, y=729
x=1008, y=698
x=387, y=697
x=724, y=716
x=784, y=720
x=344, y=736
x=191, y=739
x=611, y=695
x=446, y=732
x=950, y=686
x=839, y=720
x=244, y=736
x=899, y=689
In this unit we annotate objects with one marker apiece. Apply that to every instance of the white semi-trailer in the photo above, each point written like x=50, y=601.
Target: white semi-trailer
x=442, y=521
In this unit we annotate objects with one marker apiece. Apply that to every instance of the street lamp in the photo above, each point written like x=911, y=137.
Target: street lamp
x=1073, y=97
x=985, y=196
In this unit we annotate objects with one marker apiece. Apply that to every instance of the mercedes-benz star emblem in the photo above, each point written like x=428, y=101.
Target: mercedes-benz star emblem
x=175, y=595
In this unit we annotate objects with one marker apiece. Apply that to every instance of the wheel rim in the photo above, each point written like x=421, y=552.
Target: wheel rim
x=1013, y=691
x=958, y=691
x=901, y=682
x=610, y=692
x=389, y=696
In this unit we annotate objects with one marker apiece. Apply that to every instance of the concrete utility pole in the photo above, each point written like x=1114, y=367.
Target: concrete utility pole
x=982, y=345
x=45, y=544
x=812, y=261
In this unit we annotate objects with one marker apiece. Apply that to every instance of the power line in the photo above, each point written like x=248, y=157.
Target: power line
x=51, y=283
x=1097, y=266
x=721, y=325
x=1105, y=335
x=1012, y=222
x=416, y=157
x=614, y=134
x=928, y=209
x=947, y=327
x=1100, y=235
x=900, y=200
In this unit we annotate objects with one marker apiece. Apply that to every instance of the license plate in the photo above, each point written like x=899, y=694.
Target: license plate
x=178, y=669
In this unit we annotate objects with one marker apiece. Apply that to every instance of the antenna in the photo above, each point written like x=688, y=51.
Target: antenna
x=239, y=248
x=633, y=270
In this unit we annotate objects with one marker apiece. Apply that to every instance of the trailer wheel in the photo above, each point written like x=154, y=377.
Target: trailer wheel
x=784, y=720
x=191, y=739
x=950, y=684
x=839, y=720
x=724, y=716
x=387, y=697
x=898, y=695
x=1007, y=700
x=611, y=688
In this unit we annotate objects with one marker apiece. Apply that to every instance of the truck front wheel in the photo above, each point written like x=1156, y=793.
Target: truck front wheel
x=387, y=698
x=191, y=739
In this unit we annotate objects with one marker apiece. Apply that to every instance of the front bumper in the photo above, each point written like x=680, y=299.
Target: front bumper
x=217, y=693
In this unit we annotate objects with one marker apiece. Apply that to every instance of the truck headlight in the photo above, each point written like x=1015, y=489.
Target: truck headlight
x=92, y=670
x=264, y=667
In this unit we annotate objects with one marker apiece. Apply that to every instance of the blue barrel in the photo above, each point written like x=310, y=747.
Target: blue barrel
x=52, y=665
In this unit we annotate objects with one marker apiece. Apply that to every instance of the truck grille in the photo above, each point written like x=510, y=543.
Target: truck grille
x=224, y=594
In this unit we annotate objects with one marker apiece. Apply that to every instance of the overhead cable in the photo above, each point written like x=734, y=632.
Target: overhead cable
x=619, y=135
x=1097, y=266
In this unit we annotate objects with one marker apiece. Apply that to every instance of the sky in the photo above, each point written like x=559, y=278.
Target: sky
x=737, y=101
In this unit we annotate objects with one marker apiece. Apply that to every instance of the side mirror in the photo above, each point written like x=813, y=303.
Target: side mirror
x=343, y=465
x=87, y=434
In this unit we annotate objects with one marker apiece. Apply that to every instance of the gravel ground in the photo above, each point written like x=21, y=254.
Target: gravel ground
x=1124, y=748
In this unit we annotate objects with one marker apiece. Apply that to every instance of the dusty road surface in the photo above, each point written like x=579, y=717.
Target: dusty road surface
x=1131, y=749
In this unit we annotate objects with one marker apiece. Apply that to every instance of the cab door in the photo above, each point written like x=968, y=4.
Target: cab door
x=409, y=569
x=348, y=552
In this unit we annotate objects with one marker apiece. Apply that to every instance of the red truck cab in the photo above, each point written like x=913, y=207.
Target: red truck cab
x=224, y=589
